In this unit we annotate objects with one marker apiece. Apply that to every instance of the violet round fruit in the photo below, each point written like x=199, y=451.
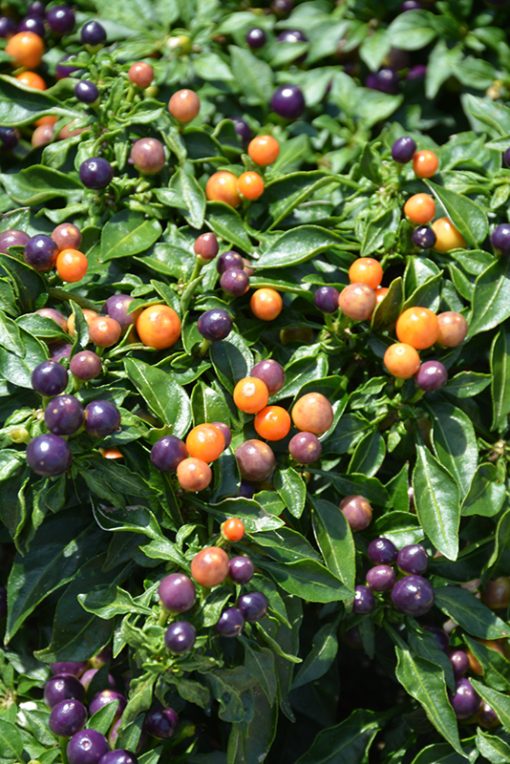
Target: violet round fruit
x=229, y=259
x=357, y=511
x=460, y=663
x=40, y=252
x=87, y=747
x=93, y=33
x=288, y=101
x=410, y=5
x=68, y=667
x=282, y=7
x=255, y=459
x=63, y=687
x=241, y=569
x=417, y=72
x=231, y=622
x=234, y=281
x=464, y=700
x=487, y=717
x=180, y=637
x=161, y=722
x=53, y=315
x=403, y=149
x=9, y=138
x=13, y=238
x=61, y=19
x=32, y=24
x=104, y=698
x=8, y=27
x=305, y=447
x=413, y=558
x=67, y=717
x=253, y=606
x=413, y=595
x=86, y=91
x=48, y=455
x=431, y=376
x=85, y=365
x=423, y=237
x=96, y=173
x=271, y=373
x=382, y=550
x=364, y=601
x=506, y=157
x=63, y=415
x=119, y=756
x=291, y=36
x=225, y=431
x=215, y=324
x=206, y=246
x=381, y=578
x=117, y=307
x=148, y=156
x=88, y=676
x=49, y=378
x=177, y=593
x=60, y=350
x=326, y=299
x=242, y=129
x=101, y=418
x=500, y=238
x=256, y=38
x=167, y=453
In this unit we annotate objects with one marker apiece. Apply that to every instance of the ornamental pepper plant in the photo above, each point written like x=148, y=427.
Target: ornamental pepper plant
x=254, y=382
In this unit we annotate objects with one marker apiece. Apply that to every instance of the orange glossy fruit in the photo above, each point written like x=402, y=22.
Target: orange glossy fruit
x=313, y=413
x=401, y=360
x=266, y=304
x=251, y=395
x=141, y=74
x=272, y=423
x=233, y=529
x=417, y=327
x=26, y=48
x=158, y=326
x=88, y=315
x=366, y=270
x=425, y=163
x=263, y=150
x=357, y=301
x=71, y=265
x=222, y=187
x=42, y=135
x=210, y=566
x=250, y=185
x=420, y=209
x=111, y=453
x=206, y=442
x=31, y=80
x=104, y=331
x=447, y=236
x=452, y=328
x=193, y=474
x=48, y=120
x=184, y=105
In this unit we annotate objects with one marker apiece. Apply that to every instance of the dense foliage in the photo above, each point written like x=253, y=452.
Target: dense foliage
x=191, y=574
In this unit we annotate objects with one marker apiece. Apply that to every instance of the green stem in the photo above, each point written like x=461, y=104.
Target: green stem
x=62, y=296
x=193, y=283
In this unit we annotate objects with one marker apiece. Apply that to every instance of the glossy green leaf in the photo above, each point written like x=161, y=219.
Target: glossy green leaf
x=165, y=398
x=467, y=216
x=335, y=541
x=466, y=610
x=490, y=306
x=128, y=233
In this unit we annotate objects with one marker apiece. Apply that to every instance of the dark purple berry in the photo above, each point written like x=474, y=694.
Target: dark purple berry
x=241, y=569
x=225, y=431
x=326, y=299
x=49, y=378
x=413, y=595
x=180, y=636
x=85, y=365
x=288, y=101
x=119, y=756
x=382, y=550
x=460, y=663
x=242, y=129
x=61, y=19
x=228, y=260
x=410, y=5
x=305, y=447
x=431, y=376
x=256, y=38
x=271, y=373
x=500, y=238
x=117, y=307
x=41, y=252
x=8, y=27
x=67, y=717
x=417, y=72
x=87, y=747
x=413, y=559
x=282, y=7
x=148, y=156
x=104, y=697
x=381, y=578
x=403, y=149
x=206, y=246
x=68, y=667
x=60, y=350
x=62, y=71
x=506, y=157
x=364, y=601
x=93, y=33
x=177, y=593
x=387, y=80
x=167, y=453
x=234, y=281
x=13, y=238
x=215, y=324
x=96, y=173
x=37, y=9
x=9, y=138
x=161, y=722
x=246, y=490
x=292, y=35
x=487, y=717
x=86, y=92
x=63, y=415
x=464, y=700
x=101, y=418
x=253, y=606
x=63, y=687
x=32, y=24
x=423, y=237
x=231, y=622
x=255, y=459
